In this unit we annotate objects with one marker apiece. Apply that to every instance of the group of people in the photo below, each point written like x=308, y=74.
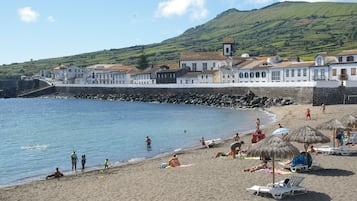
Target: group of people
x=74, y=160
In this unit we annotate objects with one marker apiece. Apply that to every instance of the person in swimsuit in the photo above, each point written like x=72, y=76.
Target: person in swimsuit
x=57, y=174
x=234, y=147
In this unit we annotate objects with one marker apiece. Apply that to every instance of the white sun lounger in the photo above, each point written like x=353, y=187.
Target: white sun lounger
x=276, y=192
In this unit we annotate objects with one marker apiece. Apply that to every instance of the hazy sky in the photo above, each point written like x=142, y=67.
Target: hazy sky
x=38, y=29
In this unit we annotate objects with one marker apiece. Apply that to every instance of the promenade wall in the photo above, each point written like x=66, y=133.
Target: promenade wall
x=315, y=93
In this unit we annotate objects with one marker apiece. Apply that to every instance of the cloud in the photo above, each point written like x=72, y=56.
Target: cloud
x=51, y=19
x=196, y=8
x=27, y=14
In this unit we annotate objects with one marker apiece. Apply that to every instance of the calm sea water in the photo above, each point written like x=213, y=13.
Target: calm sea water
x=38, y=135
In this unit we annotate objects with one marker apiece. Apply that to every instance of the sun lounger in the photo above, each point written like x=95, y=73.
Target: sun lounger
x=293, y=183
x=334, y=150
x=284, y=187
x=295, y=168
x=276, y=192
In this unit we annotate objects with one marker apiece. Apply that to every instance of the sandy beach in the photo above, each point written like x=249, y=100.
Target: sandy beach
x=205, y=177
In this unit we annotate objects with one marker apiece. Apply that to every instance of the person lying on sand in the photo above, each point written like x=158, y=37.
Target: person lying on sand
x=263, y=165
x=57, y=174
x=220, y=153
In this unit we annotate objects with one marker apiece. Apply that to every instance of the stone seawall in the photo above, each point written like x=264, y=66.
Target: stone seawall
x=333, y=96
x=225, y=96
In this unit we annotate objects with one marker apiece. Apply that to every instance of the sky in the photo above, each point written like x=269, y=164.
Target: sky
x=38, y=29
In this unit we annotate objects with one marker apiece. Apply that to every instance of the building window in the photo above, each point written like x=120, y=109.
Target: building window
x=246, y=75
x=183, y=65
x=353, y=71
x=224, y=76
x=275, y=76
x=264, y=74
x=316, y=74
x=214, y=64
x=251, y=75
x=202, y=77
x=304, y=72
x=322, y=71
x=194, y=67
x=292, y=73
x=240, y=75
x=287, y=73
x=299, y=72
x=227, y=76
x=350, y=58
x=334, y=72
x=340, y=59
x=257, y=74
x=204, y=66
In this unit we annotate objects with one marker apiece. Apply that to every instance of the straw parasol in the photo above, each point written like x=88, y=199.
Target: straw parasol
x=308, y=136
x=349, y=120
x=274, y=147
x=332, y=124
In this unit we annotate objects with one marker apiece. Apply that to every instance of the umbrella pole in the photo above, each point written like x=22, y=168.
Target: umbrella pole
x=274, y=170
x=333, y=137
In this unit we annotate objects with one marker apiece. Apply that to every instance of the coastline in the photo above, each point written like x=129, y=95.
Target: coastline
x=207, y=179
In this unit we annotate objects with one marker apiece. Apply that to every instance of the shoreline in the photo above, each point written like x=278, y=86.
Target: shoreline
x=225, y=137
x=208, y=178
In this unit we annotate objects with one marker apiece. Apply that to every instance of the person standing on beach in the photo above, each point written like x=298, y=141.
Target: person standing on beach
x=236, y=138
x=106, y=163
x=323, y=108
x=83, y=161
x=74, y=161
x=258, y=123
x=203, y=142
x=308, y=114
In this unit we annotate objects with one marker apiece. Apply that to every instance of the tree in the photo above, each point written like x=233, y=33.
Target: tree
x=143, y=60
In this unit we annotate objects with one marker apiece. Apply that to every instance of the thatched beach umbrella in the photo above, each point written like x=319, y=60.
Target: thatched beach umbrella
x=349, y=120
x=274, y=147
x=308, y=136
x=332, y=124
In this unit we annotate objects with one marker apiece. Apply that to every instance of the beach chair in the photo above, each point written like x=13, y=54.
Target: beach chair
x=298, y=164
x=293, y=183
x=342, y=150
x=276, y=192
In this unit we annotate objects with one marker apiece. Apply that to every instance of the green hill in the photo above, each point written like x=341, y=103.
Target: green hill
x=285, y=29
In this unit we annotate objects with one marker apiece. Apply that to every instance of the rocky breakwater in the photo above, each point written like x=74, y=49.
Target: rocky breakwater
x=249, y=100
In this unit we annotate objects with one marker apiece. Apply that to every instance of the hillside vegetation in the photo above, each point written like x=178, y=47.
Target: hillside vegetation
x=285, y=29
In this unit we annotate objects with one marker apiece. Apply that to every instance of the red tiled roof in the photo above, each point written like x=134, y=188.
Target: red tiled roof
x=348, y=52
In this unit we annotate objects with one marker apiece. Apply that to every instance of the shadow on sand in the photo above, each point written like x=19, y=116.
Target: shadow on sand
x=330, y=172
x=310, y=195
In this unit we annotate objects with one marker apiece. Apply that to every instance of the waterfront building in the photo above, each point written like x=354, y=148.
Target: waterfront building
x=68, y=74
x=109, y=74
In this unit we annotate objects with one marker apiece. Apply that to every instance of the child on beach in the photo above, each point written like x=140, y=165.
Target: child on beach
x=106, y=164
x=308, y=114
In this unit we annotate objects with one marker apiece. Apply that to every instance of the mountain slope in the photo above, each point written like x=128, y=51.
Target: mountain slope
x=287, y=29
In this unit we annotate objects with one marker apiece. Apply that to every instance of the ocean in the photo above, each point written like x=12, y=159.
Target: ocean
x=37, y=135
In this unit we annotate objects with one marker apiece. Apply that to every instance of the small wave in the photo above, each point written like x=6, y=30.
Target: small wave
x=35, y=147
x=135, y=160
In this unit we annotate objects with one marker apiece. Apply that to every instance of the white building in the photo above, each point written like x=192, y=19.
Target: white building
x=109, y=74
x=68, y=74
x=201, y=61
x=345, y=67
